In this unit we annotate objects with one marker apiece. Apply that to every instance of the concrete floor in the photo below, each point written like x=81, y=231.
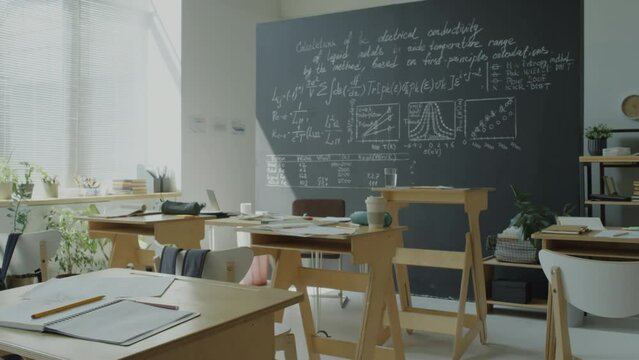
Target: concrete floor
x=512, y=334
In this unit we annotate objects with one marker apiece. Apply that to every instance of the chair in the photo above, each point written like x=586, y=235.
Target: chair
x=231, y=265
x=602, y=288
x=32, y=252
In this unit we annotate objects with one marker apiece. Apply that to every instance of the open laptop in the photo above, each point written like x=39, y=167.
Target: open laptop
x=213, y=208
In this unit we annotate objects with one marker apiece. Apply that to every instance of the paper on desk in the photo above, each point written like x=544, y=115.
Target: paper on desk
x=621, y=234
x=593, y=223
x=318, y=230
x=76, y=287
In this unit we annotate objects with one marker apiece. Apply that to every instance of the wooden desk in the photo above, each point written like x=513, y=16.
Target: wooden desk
x=185, y=231
x=236, y=322
x=587, y=244
x=373, y=247
x=474, y=201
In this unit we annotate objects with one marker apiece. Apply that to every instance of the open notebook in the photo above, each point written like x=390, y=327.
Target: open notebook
x=118, y=322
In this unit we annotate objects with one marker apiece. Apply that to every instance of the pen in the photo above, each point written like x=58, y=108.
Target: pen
x=163, y=306
x=620, y=233
x=66, y=307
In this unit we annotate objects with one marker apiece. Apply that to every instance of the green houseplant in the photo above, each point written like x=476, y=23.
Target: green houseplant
x=78, y=252
x=529, y=219
x=597, y=138
x=50, y=183
x=7, y=179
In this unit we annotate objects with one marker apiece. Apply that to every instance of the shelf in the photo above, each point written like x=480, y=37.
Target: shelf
x=629, y=159
x=602, y=253
x=535, y=304
x=92, y=199
x=492, y=261
x=619, y=203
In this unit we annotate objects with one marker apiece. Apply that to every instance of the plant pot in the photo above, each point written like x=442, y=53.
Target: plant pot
x=26, y=190
x=51, y=190
x=596, y=146
x=14, y=281
x=5, y=191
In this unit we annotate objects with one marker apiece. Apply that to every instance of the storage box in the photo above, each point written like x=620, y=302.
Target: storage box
x=515, y=291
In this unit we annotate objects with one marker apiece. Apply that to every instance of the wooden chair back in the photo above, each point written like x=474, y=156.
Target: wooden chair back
x=319, y=207
x=602, y=288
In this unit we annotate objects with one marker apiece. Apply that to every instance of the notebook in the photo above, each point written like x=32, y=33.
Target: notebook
x=118, y=322
x=213, y=208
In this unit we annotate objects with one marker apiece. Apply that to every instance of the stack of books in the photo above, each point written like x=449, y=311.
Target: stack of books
x=129, y=186
x=566, y=229
x=635, y=191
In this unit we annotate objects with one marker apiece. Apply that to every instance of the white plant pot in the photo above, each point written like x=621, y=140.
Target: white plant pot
x=51, y=190
x=5, y=191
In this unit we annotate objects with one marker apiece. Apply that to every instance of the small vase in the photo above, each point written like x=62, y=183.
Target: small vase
x=596, y=146
x=51, y=190
x=5, y=191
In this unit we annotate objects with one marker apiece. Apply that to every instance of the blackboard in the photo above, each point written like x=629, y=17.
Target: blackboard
x=460, y=93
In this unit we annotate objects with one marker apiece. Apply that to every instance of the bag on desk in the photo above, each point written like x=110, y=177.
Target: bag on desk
x=181, y=208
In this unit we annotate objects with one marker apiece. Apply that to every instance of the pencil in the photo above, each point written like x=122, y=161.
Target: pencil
x=163, y=306
x=66, y=307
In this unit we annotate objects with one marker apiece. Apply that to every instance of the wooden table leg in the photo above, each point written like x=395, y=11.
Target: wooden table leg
x=479, y=282
x=126, y=250
x=401, y=271
x=378, y=296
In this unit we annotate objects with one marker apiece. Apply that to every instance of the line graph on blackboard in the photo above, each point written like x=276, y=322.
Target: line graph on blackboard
x=377, y=122
x=491, y=118
x=431, y=120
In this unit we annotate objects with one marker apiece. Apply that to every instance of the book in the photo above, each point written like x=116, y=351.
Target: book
x=123, y=211
x=118, y=322
x=565, y=229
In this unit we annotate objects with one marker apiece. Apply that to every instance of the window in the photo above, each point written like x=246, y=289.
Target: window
x=74, y=80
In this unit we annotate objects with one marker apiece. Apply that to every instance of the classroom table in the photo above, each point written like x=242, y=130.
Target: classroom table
x=587, y=245
x=474, y=201
x=236, y=322
x=374, y=247
x=185, y=231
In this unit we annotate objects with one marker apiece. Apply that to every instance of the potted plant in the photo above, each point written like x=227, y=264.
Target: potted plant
x=7, y=179
x=50, y=183
x=24, y=187
x=78, y=252
x=597, y=138
x=88, y=186
x=530, y=219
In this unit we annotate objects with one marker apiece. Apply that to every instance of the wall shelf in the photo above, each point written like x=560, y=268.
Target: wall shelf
x=92, y=199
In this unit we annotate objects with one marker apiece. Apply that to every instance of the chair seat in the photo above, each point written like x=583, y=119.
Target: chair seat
x=281, y=329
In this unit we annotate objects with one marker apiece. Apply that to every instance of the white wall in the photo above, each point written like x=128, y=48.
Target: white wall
x=611, y=74
x=299, y=8
x=218, y=90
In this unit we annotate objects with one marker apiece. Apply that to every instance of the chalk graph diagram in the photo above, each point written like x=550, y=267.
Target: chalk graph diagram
x=377, y=122
x=491, y=118
x=431, y=120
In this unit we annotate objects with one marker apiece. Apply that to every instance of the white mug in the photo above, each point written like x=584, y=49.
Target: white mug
x=246, y=208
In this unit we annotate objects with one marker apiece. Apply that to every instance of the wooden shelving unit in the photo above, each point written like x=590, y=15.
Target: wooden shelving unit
x=603, y=162
x=489, y=263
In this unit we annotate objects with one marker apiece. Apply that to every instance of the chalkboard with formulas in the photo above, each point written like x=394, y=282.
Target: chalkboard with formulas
x=467, y=93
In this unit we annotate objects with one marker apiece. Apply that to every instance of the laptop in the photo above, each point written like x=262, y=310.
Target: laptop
x=213, y=208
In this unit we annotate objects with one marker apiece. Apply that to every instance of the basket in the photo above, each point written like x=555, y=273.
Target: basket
x=513, y=250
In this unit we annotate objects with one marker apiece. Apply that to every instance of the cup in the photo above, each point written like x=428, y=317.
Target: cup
x=390, y=177
x=246, y=208
x=375, y=210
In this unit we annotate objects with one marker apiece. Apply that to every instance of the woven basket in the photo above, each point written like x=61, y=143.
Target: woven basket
x=514, y=250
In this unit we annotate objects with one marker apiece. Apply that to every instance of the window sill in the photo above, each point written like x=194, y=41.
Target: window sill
x=92, y=199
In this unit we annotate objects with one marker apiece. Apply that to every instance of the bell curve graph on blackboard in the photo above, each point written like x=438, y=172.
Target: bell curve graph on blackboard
x=459, y=93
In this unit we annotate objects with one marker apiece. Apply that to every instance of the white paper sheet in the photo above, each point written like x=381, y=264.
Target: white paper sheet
x=318, y=230
x=76, y=287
